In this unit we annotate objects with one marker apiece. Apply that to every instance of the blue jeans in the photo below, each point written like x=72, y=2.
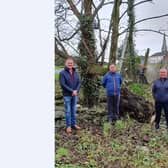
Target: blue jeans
x=70, y=110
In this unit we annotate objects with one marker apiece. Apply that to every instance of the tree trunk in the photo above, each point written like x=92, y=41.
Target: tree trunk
x=146, y=58
x=123, y=53
x=144, y=66
x=87, y=51
x=114, y=37
x=131, y=53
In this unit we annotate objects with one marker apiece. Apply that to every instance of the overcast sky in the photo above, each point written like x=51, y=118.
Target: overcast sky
x=143, y=40
x=150, y=39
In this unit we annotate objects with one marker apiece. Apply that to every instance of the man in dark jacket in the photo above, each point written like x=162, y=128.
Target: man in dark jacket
x=112, y=82
x=70, y=84
x=160, y=95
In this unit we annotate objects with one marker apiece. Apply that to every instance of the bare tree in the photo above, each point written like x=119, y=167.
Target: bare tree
x=85, y=17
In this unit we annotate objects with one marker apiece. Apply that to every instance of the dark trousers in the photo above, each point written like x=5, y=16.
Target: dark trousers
x=113, y=107
x=158, y=109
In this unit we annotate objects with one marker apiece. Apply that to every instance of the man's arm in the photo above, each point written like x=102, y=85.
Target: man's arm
x=78, y=83
x=75, y=92
x=153, y=89
x=103, y=82
x=121, y=80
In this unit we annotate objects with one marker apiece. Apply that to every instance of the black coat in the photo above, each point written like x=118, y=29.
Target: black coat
x=160, y=90
x=69, y=83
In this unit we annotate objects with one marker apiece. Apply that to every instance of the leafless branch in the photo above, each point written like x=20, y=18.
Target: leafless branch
x=60, y=53
x=154, y=17
x=67, y=43
x=142, y=20
x=98, y=8
x=151, y=30
x=70, y=37
x=63, y=53
x=138, y=3
x=98, y=19
x=82, y=7
x=74, y=9
x=106, y=40
x=85, y=45
x=107, y=3
x=100, y=34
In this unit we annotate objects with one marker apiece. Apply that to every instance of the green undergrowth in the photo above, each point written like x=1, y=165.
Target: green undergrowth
x=125, y=143
x=144, y=90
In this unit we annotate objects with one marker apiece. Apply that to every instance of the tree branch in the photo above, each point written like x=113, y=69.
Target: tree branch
x=64, y=53
x=154, y=17
x=70, y=37
x=74, y=9
x=138, y=3
x=85, y=45
x=60, y=53
x=73, y=47
x=142, y=20
x=98, y=8
x=106, y=41
x=151, y=30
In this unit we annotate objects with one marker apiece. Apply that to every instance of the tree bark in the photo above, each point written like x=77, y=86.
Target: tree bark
x=114, y=37
x=87, y=51
x=146, y=58
x=131, y=53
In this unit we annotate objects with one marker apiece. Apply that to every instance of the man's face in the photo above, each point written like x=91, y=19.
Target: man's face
x=163, y=73
x=112, y=68
x=69, y=63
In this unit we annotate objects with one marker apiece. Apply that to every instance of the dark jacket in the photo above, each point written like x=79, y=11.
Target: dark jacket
x=112, y=82
x=160, y=90
x=69, y=82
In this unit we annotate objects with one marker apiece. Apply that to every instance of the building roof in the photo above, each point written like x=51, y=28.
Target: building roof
x=158, y=54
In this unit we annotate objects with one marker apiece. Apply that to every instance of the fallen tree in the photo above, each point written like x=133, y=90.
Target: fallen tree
x=131, y=105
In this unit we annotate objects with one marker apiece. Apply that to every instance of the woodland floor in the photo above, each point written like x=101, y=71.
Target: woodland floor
x=125, y=144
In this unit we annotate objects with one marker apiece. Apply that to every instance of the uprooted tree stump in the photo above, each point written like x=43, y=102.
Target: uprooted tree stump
x=135, y=106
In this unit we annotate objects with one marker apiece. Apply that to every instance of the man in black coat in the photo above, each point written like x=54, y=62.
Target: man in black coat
x=70, y=84
x=160, y=95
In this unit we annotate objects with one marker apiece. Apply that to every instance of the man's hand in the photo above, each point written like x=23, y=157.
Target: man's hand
x=74, y=93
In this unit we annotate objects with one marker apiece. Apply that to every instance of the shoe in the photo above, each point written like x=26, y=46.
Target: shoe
x=76, y=127
x=157, y=126
x=68, y=130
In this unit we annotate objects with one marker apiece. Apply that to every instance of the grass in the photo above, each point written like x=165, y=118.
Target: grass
x=59, y=67
x=136, y=88
x=127, y=143
x=120, y=145
x=62, y=151
x=56, y=76
x=141, y=90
